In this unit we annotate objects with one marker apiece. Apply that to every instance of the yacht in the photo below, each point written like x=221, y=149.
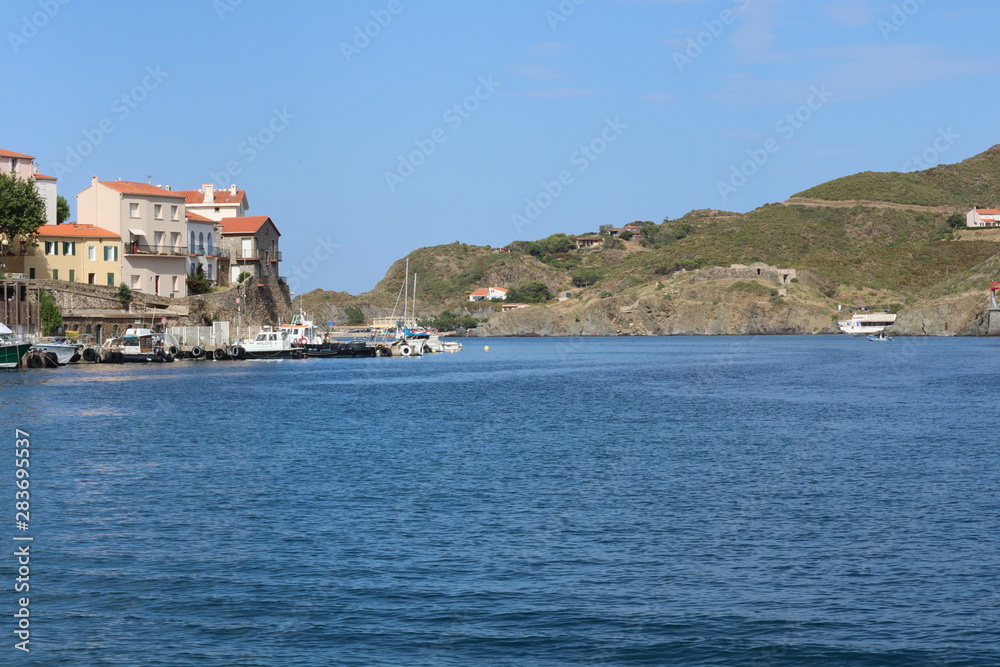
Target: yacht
x=867, y=322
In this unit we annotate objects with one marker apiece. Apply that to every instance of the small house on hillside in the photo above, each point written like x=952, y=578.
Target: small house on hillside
x=589, y=241
x=487, y=293
x=513, y=306
x=983, y=217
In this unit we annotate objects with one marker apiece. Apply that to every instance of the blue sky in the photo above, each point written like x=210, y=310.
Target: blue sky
x=382, y=126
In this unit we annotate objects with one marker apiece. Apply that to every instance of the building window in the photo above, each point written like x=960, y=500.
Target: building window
x=135, y=282
x=72, y=275
x=201, y=244
x=191, y=244
x=210, y=250
x=69, y=247
x=91, y=278
x=176, y=283
x=209, y=274
x=55, y=274
x=111, y=280
x=110, y=253
x=175, y=212
x=51, y=247
x=133, y=210
x=31, y=273
x=158, y=211
x=92, y=253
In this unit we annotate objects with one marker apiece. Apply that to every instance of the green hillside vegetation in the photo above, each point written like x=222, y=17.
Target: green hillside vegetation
x=894, y=254
x=973, y=182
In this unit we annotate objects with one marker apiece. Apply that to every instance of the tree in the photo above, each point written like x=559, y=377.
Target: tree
x=22, y=211
x=62, y=209
x=50, y=313
x=626, y=235
x=605, y=229
x=198, y=283
x=243, y=276
x=531, y=291
x=585, y=277
x=124, y=295
x=956, y=220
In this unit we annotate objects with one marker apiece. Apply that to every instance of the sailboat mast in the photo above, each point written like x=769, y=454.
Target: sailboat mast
x=414, y=313
x=406, y=288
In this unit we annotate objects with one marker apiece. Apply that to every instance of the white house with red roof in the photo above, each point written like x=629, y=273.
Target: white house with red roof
x=216, y=204
x=488, y=293
x=983, y=217
x=24, y=167
x=204, y=238
x=251, y=243
x=153, y=226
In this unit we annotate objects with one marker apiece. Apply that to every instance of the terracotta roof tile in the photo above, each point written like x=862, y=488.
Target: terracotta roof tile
x=482, y=291
x=988, y=211
x=133, y=188
x=77, y=230
x=245, y=225
x=43, y=177
x=191, y=215
x=4, y=153
x=223, y=196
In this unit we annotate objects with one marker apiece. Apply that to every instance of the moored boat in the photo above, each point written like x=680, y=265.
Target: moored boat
x=64, y=351
x=272, y=343
x=340, y=349
x=11, y=348
x=866, y=322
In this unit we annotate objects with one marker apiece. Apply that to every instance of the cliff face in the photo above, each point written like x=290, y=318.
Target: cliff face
x=959, y=315
x=684, y=308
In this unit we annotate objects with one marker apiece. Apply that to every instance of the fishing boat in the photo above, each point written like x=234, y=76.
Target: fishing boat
x=338, y=349
x=11, y=348
x=139, y=345
x=866, y=322
x=880, y=336
x=271, y=343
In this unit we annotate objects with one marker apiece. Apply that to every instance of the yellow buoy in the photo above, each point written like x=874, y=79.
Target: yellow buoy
x=486, y=348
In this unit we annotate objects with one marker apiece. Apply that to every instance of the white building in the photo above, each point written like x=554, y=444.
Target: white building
x=23, y=166
x=983, y=217
x=488, y=293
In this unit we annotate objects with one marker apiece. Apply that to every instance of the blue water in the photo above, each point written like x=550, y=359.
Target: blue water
x=763, y=501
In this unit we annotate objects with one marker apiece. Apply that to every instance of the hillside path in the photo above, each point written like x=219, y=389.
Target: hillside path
x=850, y=203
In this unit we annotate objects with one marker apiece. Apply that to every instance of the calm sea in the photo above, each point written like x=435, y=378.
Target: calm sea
x=763, y=501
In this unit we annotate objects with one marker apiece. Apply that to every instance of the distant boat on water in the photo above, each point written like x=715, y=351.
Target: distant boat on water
x=866, y=322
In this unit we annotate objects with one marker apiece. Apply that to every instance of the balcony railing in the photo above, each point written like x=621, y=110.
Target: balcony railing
x=151, y=249
x=207, y=251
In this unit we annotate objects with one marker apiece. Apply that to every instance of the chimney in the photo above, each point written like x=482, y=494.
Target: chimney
x=93, y=180
x=209, y=190
x=232, y=189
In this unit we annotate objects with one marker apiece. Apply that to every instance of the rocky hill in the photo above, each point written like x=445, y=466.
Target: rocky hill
x=878, y=240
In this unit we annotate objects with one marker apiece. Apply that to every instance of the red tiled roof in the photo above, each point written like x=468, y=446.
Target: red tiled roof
x=77, y=230
x=988, y=211
x=191, y=215
x=482, y=291
x=133, y=188
x=245, y=225
x=500, y=289
x=43, y=177
x=4, y=153
x=223, y=196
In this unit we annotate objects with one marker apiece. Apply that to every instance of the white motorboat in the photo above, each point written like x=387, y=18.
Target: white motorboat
x=272, y=343
x=64, y=350
x=867, y=322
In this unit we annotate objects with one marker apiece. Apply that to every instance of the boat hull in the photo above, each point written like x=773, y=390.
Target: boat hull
x=10, y=355
x=287, y=353
x=64, y=352
x=340, y=351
